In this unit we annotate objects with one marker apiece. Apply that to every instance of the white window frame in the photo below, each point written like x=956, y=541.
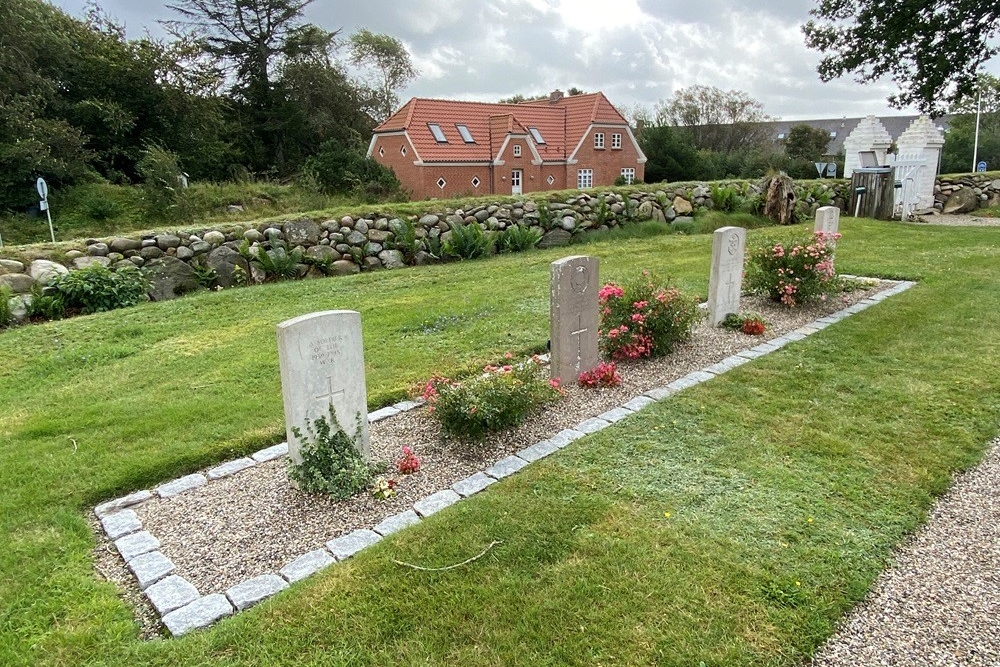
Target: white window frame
x=598, y=140
x=616, y=141
x=516, y=150
x=629, y=174
x=437, y=133
x=463, y=130
x=584, y=179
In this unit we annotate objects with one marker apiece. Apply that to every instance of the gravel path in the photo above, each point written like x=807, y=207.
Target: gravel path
x=958, y=220
x=939, y=604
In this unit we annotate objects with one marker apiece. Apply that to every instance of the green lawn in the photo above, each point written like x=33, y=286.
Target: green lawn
x=732, y=524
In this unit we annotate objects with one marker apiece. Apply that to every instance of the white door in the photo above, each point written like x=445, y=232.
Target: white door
x=515, y=182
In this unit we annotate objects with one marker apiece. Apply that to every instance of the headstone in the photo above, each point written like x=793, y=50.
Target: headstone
x=573, y=317
x=725, y=282
x=827, y=220
x=322, y=365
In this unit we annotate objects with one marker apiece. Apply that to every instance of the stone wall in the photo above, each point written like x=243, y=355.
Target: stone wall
x=964, y=193
x=178, y=262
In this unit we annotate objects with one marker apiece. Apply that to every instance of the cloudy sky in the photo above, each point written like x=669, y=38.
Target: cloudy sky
x=636, y=51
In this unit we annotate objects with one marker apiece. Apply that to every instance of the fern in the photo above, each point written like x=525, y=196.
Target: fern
x=518, y=238
x=468, y=242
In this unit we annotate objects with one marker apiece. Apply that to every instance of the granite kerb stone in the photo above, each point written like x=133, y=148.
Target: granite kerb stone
x=435, y=502
x=121, y=503
x=384, y=413
x=638, y=403
x=170, y=593
x=120, y=524
x=306, y=565
x=396, y=522
x=230, y=468
x=150, y=567
x=615, y=414
x=248, y=593
x=181, y=485
x=345, y=546
x=198, y=614
x=505, y=467
x=727, y=364
x=537, y=451
x=592, y=425
x=270, y=453
x=565, y=437
x=136, y=544
x=472, y=484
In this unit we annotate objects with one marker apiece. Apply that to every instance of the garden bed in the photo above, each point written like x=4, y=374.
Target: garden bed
x=254, y=522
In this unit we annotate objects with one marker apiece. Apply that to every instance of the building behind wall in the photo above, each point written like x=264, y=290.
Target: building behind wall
x=448, y=148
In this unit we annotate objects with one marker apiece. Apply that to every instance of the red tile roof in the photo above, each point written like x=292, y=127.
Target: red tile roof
x=561, y=123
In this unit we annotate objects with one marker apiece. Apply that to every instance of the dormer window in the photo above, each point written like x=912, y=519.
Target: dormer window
x=536, y=135
x=438, y=134
x=833, y=135
x=598, y=140
x=466, y=135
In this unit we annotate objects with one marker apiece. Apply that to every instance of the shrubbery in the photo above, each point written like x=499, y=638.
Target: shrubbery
x=96, y=289
x=331, y=463
x=795, y=271
x=498, y=399
x=644, y=318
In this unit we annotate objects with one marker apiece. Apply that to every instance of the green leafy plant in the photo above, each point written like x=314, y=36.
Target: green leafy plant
x=331, y=462
x=498, y=399
x=795, y=271
x=545, y=218
x=44, y=306
x=725, y=199
x=205, y=275
x=160, y=170
x=278, y=263
x=6, y=316
x=601, y=215
x=683, y=227
x=518, y=238
x=96, y=288
x=645, y=318
x=404, y=238
x=630, y=208
x=468, y=242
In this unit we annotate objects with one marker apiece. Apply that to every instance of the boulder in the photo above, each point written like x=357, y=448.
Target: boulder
x=18, y=306
x=429, y=220
x=301, y=232
x=361, y=225
x=356, y=238
x=961, y=201
x=379, y=236
x=555, y=238
x=43, y=270
x=98, y=249
x=223, y=261
x=151, y=252
x=18, y=283
x=568, y=222
x=322, y=253
x=123, y=245
x=11, y=266
x=184, y=253
x=214, y=237
x=253, y=236
x=682, y=206
x=392, y=259
x=423, y=258
x=167, y=241
x=372, y=264
x=170, y=278
x=645, y=210
x=198, y=248
x=344, y=267
x=86, y=262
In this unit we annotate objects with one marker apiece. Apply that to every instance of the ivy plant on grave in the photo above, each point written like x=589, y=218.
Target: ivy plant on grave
x=331, y=460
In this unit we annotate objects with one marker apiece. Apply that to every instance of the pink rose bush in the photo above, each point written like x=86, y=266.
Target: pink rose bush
x=793, y=272
x=644, y=318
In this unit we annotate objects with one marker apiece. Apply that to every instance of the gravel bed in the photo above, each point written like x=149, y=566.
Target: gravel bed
x=254, y=522
x=939, y=603
x=959, y=220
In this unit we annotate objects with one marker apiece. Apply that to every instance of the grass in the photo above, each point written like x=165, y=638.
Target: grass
x=732, y=524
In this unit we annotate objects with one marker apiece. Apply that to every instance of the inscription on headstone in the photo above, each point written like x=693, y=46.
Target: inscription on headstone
x=827, y=220
x=322, y=365
x=725, y=282
x=573, y=317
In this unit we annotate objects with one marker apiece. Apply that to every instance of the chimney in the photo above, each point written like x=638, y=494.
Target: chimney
x=555, y=96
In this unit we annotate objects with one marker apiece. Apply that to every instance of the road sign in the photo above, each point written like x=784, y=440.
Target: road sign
x=821, y=168
x=981, y=166
x=43, y=188
x=43, y=192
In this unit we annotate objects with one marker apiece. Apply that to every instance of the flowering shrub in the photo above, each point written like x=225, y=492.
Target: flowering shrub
x=408, y=463
x=500, y=398
x=604, y=375
x=645, y=318
x=751, y=324
x=795, y=271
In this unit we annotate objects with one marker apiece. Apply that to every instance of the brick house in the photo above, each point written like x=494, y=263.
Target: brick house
x=445, y=148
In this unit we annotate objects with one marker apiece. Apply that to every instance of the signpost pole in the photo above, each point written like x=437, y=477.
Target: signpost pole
x=43, y=193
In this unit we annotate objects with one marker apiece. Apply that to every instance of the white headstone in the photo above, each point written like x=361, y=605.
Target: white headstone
x=827, y=220
x=573, y=317
x=322, y=365
x=725, y=282
x=869, y=135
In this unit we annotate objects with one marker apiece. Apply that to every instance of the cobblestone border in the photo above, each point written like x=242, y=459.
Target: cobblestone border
x=182, y=608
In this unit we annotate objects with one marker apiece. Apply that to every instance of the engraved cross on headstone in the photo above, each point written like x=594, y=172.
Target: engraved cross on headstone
x=580, y=330
x=330, y=395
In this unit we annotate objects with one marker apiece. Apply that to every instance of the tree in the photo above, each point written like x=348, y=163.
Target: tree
x=389, y=70
x=932, y=51
x=716, y=120
x=252, y=39
x=805, y=142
